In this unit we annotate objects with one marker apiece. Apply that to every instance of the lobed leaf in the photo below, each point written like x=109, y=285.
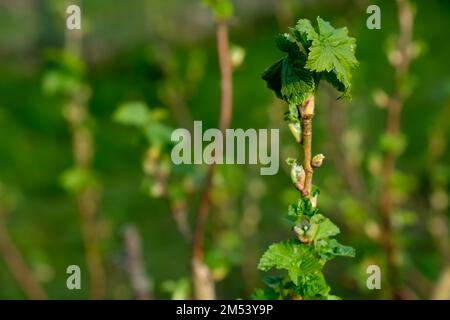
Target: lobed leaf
x=325, y=228
x=291, y=255
x=331, y=248
x=332, y=53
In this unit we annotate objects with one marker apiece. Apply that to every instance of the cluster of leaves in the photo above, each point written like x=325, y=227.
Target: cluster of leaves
x=313, y=54
x=303, y=258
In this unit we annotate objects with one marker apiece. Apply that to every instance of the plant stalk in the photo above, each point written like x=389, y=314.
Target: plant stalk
x=394, y=109
x=17, y=266
x=306, y=114
x=76, y=114
x=203, y=282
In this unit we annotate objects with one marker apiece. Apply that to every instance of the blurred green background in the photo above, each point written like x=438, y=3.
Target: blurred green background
x=163, y=54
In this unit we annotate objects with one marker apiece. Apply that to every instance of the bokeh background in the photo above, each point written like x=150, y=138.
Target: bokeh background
x=157, y=60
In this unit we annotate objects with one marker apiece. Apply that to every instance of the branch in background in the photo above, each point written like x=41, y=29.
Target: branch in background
x=76, y=114
x=400, y=58
x=351, y=177
x=154, y=168
x=201, y=276
x=17, y=266
x=438, y=223
x=174, y=96
x=251, y=216
x=226, y=84
x=135, y=264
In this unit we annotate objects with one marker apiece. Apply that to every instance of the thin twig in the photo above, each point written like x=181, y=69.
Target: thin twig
x=394, y=109
x=76, y=113
x=351, y=177
x=174, y=97
x=17, y=266
x=306, y=114
x=202, y=279
x=438, y=225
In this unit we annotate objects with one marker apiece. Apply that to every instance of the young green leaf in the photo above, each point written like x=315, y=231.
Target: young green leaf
x=222, y=9
x=134, y=113
x=325, y=228
x=288, y=77
x=313, y=286
x=332, y=51
x=291, y=255
x=330, y=248
x=265, y=294
x=76, y=179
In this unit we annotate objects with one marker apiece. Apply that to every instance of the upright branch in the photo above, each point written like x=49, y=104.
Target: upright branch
x=77, y=116
x=203, y=281
x=400, y=58
x=306, y=113
x=313, y=54
x=438, y=224
x=17, y=266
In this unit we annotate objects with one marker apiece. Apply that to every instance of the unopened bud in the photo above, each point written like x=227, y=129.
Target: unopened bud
x=237, y=56
x=297, y=173
x=296, y=130
x=317, y=160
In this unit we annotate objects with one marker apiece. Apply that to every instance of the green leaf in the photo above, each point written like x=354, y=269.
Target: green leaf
x=76, y=179
x=301, y=210
x=287, y=44
x=272, y=76
x=134, y=113
x=265, y=294
x=304, y=33
x=288, y=77
x=297, y=83
x=332, y=53
x=292, y=114
x=157, y=133
x=274, y=282
x=58, y=82
x=304, y=206
x=178, y=289
x=66, y=61
x=314, y=286
x=296, y=258
x=330, y=248
x=325, y=228
x=222, y=9
x=393, y=143
x=137, y=113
